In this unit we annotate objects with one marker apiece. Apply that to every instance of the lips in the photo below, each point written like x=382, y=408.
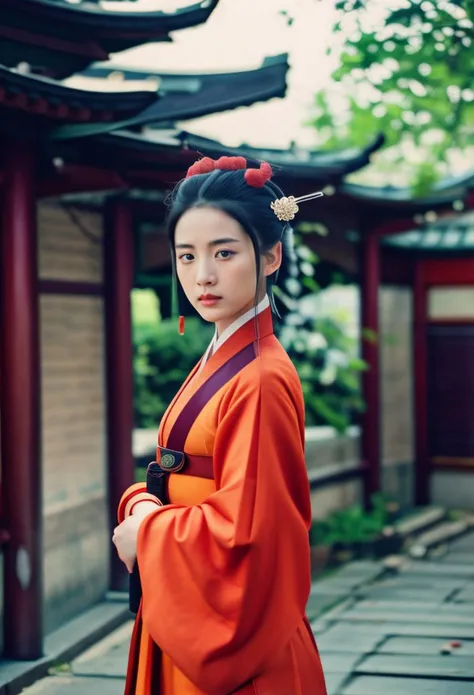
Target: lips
x=209, y=299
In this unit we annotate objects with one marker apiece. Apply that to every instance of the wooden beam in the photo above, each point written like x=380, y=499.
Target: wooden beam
x=67, y=287
x=75, y=178
x=84, y=47
x=443, y=272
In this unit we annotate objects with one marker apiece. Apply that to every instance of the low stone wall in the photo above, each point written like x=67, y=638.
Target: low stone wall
x=453, y=489
x=76, y=560
x=329, y=454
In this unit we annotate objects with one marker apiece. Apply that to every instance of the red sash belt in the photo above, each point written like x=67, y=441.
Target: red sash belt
x=171, y=461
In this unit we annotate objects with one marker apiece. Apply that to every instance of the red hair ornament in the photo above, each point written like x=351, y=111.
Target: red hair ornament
x=206, y=165
x=256, y=178
x=284, y=208
x=259, y=177
x=203, y=166
x=231, y=163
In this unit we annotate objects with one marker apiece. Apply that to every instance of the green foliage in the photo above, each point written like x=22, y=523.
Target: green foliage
x=326, y=361
x=408, y=72
x=321, y=348
x=352, y=525
x=162, y=360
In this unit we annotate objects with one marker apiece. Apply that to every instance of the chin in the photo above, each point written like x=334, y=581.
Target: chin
x=209, y=315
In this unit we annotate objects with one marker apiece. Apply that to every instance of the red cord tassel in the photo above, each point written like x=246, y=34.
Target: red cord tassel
x=181, y=325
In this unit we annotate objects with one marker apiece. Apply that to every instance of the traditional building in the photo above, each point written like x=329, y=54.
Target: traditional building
x=84, y=175
x=416, y=265
x=50, y=35
x=65, y=278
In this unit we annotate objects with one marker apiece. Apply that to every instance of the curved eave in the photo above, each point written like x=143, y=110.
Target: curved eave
x=315, y=166
x=444, y=193
x=50, y=99
x=148, y=165
x=224, y=93
x=96, y=17
x=242, y=89
x=143, y=146
x=453, y=233
x=179, y=81
x=130, y=149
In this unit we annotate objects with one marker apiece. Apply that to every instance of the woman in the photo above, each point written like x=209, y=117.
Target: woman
x=224, y=563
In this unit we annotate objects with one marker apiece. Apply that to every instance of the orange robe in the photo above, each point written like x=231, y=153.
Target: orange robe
x=225, y=567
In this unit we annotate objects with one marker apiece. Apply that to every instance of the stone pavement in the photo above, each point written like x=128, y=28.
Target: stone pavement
x=406, y=632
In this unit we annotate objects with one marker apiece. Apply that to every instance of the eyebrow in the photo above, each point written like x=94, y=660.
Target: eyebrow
x=215, y=242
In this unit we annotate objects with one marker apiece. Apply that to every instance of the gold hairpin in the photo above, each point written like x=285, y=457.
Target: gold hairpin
x=286, y=208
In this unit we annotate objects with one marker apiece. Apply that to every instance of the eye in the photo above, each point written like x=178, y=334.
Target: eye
x=227, y=254
x=186, y=257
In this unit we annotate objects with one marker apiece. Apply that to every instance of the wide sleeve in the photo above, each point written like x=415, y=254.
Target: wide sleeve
x=225, y=583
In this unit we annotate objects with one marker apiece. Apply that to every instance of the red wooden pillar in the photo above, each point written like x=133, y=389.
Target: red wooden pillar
x=371, y=421
x=20, y=406
x=119, y=269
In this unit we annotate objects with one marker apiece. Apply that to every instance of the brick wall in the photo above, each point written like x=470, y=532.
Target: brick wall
x=76, y=539
x=64, y=251
x=73, y=408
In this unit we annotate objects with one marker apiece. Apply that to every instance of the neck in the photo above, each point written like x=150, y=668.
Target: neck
x=222, y=325
x=251, y=309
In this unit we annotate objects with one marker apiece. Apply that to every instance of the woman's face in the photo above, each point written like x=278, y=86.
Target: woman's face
x=215, y=259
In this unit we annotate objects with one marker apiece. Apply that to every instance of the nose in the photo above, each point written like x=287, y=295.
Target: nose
x=206, y=275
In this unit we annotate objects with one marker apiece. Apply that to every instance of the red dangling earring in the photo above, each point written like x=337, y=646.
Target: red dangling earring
x=181, y=325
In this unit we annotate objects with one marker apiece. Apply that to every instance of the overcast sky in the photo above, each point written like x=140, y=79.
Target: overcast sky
x=238, y=35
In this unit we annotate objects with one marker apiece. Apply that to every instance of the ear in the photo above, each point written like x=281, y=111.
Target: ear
x=272, y=259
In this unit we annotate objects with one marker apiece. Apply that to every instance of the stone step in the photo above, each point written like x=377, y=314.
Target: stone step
x=440, y=533
x=419, y=520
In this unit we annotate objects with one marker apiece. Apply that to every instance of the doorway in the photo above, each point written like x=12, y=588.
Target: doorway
x=444, y=379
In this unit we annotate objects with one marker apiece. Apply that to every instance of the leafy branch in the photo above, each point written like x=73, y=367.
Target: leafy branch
x=409, y=72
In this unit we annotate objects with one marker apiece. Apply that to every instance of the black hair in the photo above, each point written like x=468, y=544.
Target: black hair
x=250, y=206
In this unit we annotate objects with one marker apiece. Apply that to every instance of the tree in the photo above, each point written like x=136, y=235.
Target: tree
x=408, y=72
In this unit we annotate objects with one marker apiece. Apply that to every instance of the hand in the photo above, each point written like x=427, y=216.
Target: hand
x=125, y=535
x=125, y=540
